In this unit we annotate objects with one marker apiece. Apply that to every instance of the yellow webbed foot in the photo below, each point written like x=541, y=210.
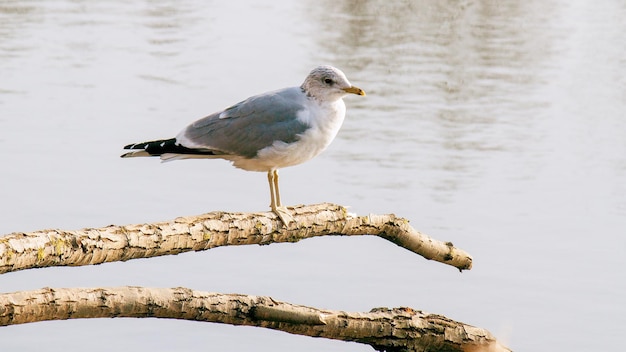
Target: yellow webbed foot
x=284, y=215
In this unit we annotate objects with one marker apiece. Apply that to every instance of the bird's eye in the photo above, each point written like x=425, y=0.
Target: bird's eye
x=328, y=81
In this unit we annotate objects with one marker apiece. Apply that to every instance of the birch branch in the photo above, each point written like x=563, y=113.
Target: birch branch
x=398, y=329
x=45, y=248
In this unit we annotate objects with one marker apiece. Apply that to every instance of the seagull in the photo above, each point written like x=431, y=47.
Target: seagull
x=265, y=132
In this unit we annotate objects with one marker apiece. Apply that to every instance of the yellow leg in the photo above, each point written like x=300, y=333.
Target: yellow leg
x=270, y=179
x=275, y=205
x=276, y=189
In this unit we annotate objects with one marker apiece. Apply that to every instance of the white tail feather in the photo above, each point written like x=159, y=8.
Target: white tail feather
x=172, y=156
x=135, y=153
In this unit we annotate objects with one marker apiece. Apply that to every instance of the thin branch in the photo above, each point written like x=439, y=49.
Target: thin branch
x=19, y=251
x=399, y=329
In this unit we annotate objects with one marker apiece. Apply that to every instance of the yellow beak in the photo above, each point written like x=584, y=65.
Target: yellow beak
x=354, y=90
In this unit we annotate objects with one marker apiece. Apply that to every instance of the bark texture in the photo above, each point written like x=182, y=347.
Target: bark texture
x=19, y=251
x=398, y=329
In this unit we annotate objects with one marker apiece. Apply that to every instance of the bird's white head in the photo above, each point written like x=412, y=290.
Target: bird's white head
x=328, y=83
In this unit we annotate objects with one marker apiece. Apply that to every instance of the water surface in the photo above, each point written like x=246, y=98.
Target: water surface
x=497, y=126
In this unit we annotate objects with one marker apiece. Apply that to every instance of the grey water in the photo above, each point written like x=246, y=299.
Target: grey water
x=497, y=125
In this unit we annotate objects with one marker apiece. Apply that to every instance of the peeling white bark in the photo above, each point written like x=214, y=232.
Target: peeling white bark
x=19, y=251
x=399, y=329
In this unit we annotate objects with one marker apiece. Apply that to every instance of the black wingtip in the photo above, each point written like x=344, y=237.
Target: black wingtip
x=160, y=147
x=151, y=146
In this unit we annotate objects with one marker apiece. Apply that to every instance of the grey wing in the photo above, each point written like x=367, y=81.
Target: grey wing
x=249, y=126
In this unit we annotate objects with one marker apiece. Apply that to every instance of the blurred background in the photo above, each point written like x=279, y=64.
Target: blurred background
x=497, y=125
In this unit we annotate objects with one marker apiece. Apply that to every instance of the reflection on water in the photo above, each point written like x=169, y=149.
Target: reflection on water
x=464, y=77
x=499, y=125
x=460, y=78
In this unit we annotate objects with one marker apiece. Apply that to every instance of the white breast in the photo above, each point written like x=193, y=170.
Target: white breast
x=324, y=120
